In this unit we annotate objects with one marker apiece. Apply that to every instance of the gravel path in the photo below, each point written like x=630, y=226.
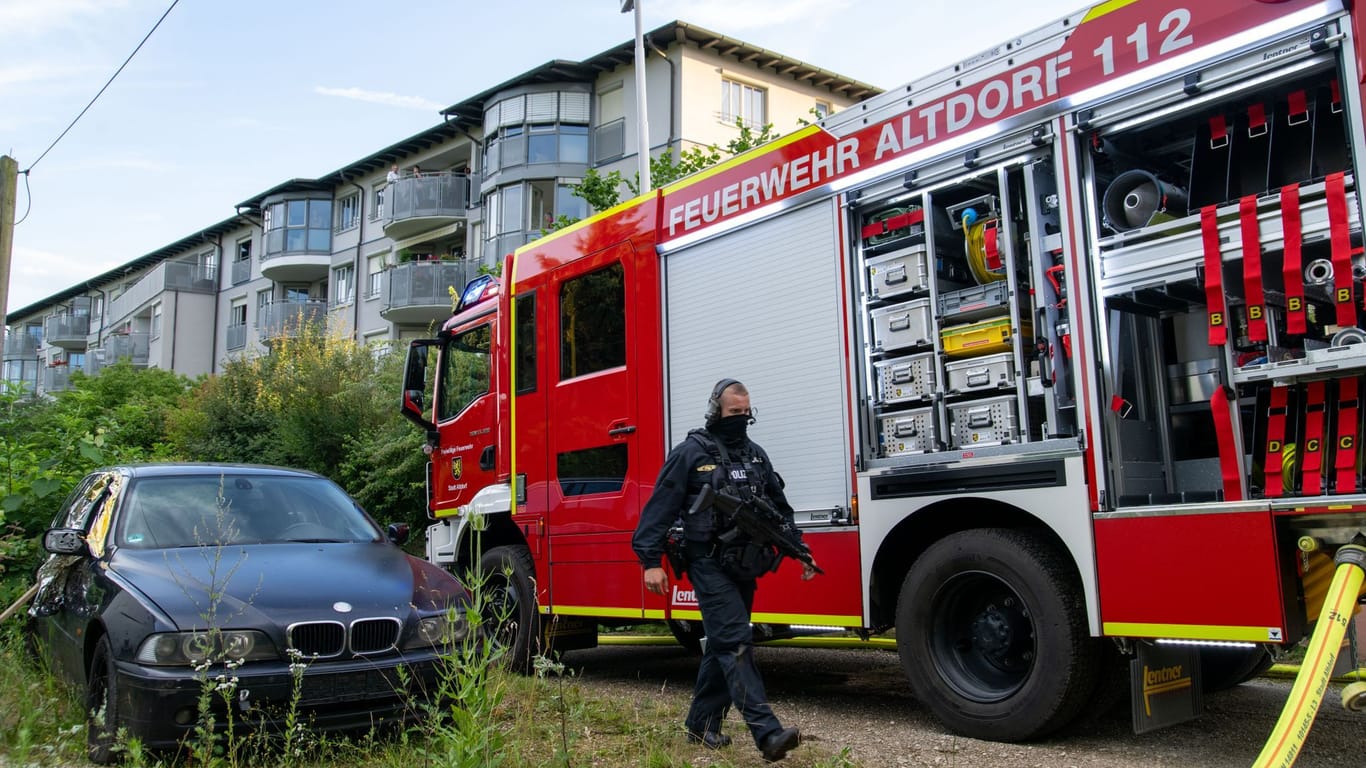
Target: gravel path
x=859, y=700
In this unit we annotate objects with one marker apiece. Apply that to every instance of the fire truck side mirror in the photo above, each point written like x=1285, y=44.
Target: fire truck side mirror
x=413, y=405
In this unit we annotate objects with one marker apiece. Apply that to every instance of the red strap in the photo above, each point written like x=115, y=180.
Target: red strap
x=1311, y=462
x=1292, y=272
x=1256, y=120
x=1336, y=192
x=1214, y=276
x=1345, y=460
x=1218, y=132
x=1337, y=95
x=1252, y=269
x=1228, y=447
x=904, y=220
x=872, y=230
x=1275, y=442
x=989, y=245
x=1299, y=108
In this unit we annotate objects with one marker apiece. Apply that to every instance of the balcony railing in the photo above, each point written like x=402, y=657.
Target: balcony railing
x=427, y=283
x=56, y=378
x=21, y=345
x=439, y=196
x=286, y=318
x=133, y=347
x=185, y=276
x=241, y=271
x=237, y=336
x=609, y=140
x=66, y=330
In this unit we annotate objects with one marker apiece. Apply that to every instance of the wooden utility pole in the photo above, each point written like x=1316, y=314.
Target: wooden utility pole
x=9, y=176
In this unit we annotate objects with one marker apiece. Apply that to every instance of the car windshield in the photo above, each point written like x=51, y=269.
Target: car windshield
x=209, y=510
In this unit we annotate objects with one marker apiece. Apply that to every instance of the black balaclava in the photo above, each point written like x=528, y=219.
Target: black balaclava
x=732, y=429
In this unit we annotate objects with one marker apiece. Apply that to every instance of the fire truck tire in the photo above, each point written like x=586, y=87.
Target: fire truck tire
x=991, y=628
x=688, y=633
x=510, y=603
x=1225, y=668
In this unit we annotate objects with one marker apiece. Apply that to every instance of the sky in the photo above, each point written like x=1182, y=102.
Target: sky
x=228, y=99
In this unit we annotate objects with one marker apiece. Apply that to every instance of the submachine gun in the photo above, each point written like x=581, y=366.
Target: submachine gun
x=756, y=519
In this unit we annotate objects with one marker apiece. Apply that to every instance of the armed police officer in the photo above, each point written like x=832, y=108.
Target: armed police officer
x=720, y=461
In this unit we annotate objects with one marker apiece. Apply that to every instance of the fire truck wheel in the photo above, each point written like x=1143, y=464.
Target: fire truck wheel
x=991, y=629
x=688, y=633
x=1225, y=668
x=510, y=603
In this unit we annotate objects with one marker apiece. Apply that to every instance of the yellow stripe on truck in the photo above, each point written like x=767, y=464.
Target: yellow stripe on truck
x=1189, y=631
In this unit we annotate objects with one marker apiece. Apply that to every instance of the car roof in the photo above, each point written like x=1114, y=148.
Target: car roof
x=184, y=469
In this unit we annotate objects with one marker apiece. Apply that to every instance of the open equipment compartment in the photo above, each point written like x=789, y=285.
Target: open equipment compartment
x=1227, y=239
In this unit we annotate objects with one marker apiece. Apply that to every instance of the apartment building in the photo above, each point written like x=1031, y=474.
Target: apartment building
x=374, y=248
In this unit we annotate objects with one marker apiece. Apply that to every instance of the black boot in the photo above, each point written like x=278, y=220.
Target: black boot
x=709, y=739
x=777, y=745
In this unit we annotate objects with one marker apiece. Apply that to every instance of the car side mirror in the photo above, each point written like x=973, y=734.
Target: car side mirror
x=64, y=541
x=397, y=532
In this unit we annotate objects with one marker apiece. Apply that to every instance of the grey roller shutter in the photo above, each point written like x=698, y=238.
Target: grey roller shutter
x=762, y=305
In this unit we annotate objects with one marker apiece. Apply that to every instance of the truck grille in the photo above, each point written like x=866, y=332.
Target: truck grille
x=328, y=639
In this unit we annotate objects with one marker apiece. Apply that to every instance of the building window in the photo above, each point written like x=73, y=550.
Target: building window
x=548, y=127
x=376, y=276
x=263, y=300
x=377, y=195
x=237, y=314
x=740, y=101
x=569, y=204
x=348, y=212
x=822, y=110
x=592, y=323
x=156, y=321
x=343, y=284
x=208, y=264
x=298, y=226
x=511, y=220
x=243, y=250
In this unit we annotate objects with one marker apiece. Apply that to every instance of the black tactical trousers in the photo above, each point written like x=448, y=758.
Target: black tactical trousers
x=728, y=673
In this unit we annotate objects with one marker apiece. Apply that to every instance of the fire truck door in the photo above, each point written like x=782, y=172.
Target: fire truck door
x=591, y=436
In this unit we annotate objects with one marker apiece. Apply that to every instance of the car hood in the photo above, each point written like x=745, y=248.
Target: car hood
x=259, y=585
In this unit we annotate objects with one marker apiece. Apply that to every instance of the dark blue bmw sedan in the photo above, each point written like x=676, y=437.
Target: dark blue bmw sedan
x=268, y=586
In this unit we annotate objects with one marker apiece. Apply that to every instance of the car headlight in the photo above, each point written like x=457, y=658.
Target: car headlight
x=199, y=647
x=441, y=630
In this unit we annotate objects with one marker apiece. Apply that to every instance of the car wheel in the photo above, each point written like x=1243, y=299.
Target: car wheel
x=101, y=705
x=1225, y=668
x=688, y=633
x=507, y=578
x=992, y=633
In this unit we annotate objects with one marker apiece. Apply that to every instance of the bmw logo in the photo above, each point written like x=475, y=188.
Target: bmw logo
x=341, y=606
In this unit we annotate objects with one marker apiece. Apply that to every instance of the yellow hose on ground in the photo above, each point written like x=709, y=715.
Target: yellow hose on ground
x=1287, y=738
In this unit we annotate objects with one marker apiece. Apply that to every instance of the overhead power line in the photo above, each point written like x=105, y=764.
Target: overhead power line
x=102, y=90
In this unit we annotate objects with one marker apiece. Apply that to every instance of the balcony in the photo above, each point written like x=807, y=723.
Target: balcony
x=241, y=271
x=56, y=378
x=418, y=204
x=419, y=291
x=284, y=319
x=67, y=331
x=187, y=276
x=133, y=347
x=21, y=345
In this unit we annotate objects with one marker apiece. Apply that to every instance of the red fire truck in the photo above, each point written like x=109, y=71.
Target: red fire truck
x=1059, y=350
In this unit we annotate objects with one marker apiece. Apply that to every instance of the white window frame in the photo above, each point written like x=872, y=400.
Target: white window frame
x=375, y=277
x=739, y=99
x=155, y=325
x=348, y=212
x=343, y=285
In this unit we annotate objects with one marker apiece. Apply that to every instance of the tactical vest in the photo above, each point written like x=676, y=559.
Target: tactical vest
x=735, y=472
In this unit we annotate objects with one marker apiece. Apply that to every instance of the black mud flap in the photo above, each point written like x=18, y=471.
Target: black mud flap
x=1165, y=684
x=568, y=633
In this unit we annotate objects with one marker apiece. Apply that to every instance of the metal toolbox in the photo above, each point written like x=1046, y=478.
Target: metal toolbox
x=908, y=432
x=992, y=421
x=980, y=374
x=905, y=378
x=900, y=272
x=973, y=303
x=902, y=325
